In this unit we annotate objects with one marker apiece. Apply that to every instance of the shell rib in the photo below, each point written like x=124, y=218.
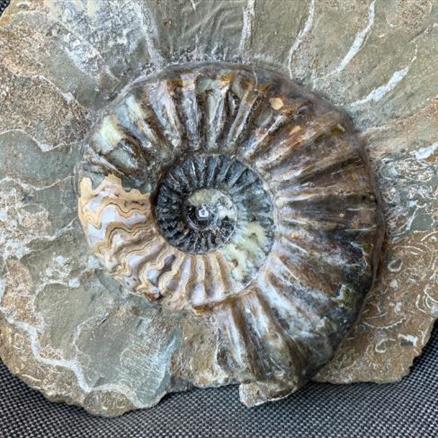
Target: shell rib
x=232, y=192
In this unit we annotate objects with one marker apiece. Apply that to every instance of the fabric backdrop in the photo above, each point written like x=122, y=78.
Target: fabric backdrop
x=405, y=409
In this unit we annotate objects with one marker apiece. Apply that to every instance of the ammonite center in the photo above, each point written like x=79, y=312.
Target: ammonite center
x=204, y=200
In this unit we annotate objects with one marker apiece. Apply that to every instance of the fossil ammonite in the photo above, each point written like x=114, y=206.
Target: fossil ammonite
x=232, y=193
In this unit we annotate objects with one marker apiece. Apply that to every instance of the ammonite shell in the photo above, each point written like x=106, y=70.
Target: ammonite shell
x=232, y=192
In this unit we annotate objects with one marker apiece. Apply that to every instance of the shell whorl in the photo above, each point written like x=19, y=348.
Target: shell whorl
x=231, y=190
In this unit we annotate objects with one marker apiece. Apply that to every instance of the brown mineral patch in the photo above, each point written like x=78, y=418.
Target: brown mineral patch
x=432, y=158
x=276, y=103
x=411, y=14
x=25, y=95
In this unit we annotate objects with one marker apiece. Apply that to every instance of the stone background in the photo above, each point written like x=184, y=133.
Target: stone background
x=61, y=61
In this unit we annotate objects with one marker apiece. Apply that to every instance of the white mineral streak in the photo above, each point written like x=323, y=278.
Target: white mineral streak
x=24, y=226
x=55, y=275
x=426, y=152
x=431, y=303
x=14, y=213
x=44, y=147
x=83, y=54
x=409, y=338
x=151, y=35
x=245, y=38
x=358, y=42
x=74, y=283
x=72, y=364
x=30, y=187
x=380, y=92
x=68, y=97
x=33, y=332
x=300, y=37
x=193, y=3
x=84, y=57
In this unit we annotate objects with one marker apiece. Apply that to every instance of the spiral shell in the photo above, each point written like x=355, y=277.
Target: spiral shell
x=231, y=192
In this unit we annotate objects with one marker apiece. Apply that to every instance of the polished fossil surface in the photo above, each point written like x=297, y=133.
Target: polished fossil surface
x=68, y=325
x=231, y=192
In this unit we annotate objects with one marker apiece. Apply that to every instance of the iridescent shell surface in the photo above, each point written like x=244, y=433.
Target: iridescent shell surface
x=231, y=193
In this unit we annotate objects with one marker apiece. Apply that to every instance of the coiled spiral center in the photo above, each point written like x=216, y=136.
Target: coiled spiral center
x=203, y=200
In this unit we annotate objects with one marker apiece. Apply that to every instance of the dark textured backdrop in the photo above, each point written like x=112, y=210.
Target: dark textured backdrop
x=405, y=409
x=3, y=4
